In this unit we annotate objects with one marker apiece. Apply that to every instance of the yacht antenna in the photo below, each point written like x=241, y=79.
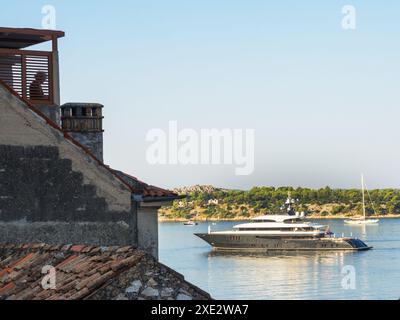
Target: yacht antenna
x=288, y=205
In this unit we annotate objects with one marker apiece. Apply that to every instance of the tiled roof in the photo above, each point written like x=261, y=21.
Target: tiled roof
x=88, y=272
x=145, y=189
x=152, y=191
x=80, y=270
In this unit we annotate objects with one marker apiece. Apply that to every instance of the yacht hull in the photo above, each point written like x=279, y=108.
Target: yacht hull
x=268, y=243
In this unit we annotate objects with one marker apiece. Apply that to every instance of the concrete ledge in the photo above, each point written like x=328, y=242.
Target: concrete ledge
x=53, y=233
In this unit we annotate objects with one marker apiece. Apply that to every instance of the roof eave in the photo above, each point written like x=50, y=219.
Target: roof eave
x=48, y=34
x=140, y=198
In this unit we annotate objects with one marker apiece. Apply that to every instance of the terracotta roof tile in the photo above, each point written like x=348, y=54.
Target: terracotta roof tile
x=96, y=250
x=87, y=249
x=4, y=273
x=55, y=248
x=104, y=269
x=79, y=295
x=8, y=287
x=66, y=261
x=145, y=189
x=66, y=247
x=17, y=265
x=124, y=249
x=82, y=284
x=94, y=283
x=27, y=294
x=77, y=248
x=68, y=286
x=80, y=270
x=73, y=264
x=81, y=267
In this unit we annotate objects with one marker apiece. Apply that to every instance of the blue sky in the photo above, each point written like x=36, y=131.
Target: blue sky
x=324, y=102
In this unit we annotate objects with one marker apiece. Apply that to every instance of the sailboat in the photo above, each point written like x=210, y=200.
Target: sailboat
x=362, y=220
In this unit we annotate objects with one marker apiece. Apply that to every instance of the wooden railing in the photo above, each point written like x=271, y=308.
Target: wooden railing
x=29, y=73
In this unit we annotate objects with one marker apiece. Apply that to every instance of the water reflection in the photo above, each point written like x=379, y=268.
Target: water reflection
x=363, y=229
x=287, y=275
x=278, y=275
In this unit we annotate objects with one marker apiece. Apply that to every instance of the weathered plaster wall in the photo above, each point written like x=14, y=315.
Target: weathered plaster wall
x=56, y=232
x=147, y=222
x=51, y=190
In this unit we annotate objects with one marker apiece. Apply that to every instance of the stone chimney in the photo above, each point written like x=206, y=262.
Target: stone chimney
x=84, y=122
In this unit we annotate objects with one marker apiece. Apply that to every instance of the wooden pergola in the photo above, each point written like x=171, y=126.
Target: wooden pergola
x=31, y=73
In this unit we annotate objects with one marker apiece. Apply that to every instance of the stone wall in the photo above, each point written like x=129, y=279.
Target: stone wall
x=92, y=140
x=51, y=190
x=150, y=280
x=53, y=112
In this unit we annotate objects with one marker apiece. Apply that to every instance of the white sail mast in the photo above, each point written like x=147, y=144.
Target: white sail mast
x=363, y=195
x=363, y=220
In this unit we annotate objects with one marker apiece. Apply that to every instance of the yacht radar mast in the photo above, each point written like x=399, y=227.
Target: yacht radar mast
x=289, y=204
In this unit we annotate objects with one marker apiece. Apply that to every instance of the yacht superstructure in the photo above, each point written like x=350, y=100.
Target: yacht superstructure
x=280, y=232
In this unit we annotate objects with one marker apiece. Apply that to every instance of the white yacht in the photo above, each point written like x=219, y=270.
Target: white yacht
x=280, y=232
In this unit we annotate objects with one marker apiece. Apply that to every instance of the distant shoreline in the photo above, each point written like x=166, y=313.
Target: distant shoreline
x=317, y=217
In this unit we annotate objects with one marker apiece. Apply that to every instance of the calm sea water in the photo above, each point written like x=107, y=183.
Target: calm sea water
x=316, y=275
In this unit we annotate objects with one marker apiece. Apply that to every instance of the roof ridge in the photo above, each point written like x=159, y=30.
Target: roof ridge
x=77, y=248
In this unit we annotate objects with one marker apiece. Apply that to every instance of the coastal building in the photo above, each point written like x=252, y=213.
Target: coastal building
x=184, y=203
x=55, y=189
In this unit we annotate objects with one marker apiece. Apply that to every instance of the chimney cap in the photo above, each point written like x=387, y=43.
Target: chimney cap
x=81, y=105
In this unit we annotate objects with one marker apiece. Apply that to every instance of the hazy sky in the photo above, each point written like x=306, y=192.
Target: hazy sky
x=323, y=101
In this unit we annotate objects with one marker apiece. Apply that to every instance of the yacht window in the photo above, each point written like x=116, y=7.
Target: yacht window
x=277, y=229
x=291, y=221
